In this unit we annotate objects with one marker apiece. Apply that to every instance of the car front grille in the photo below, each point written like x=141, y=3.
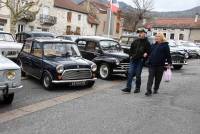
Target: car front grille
x=12, y=52
x=123, y=66
x=74, y=74
x=178, y=59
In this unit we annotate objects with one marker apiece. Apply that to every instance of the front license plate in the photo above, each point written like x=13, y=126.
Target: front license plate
x=78, y=83
x=177, y=61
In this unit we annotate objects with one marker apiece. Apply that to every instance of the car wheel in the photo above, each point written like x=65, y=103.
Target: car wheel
x=177, y=67
x=47, y=81
x=20, y=64
x=90, y=83
x=8, y=98
x=104, y=71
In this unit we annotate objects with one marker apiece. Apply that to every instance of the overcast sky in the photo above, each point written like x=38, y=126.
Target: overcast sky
x=171, y=5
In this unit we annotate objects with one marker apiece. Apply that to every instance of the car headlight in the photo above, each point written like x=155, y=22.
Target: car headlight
x=60, y=69
x=10, y=75
x=93, y=67
x=117, y=61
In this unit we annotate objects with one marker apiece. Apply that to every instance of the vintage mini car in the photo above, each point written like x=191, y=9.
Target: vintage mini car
x=8, y=46
x=10, y=79
x=106, y=53
x=55, y=61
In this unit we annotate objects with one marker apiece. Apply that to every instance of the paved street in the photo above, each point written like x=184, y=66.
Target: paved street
x=104, y=109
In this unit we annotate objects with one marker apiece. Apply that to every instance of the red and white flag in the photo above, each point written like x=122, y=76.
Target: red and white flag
x=114, y=5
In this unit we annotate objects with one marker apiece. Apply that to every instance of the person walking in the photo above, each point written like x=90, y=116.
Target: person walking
x=159, y=60
x=139, y=50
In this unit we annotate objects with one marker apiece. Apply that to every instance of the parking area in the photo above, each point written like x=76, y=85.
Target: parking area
x=175, y=109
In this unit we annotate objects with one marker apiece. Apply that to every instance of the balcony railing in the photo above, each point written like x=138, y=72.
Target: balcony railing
x=47, y=19
x=28, y=17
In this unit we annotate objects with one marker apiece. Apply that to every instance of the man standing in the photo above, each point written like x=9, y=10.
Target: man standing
x=139, y=50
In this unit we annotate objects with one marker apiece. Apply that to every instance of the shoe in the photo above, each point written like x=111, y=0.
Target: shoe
x=155, y=92
x=126, y=90
x=148, y=93
x=136, y=91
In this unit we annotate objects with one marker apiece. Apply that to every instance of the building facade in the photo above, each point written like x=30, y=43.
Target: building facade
x=177, y=28
x=102, y=14
x=4, y=18
x=57, y=16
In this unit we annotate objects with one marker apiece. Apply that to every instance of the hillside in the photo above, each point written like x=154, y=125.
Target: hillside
x=177, y=14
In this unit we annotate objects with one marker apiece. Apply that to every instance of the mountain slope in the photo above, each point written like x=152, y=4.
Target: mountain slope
x=175, y=14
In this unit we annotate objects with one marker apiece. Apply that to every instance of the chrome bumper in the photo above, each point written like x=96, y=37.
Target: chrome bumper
x=2, y=87
x=70, y=81
x=178, y=63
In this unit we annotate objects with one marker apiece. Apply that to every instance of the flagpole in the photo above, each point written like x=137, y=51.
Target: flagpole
x=109, y=22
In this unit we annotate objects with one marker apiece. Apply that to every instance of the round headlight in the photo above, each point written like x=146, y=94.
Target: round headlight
x=10, y=75
x=93, y=67
x=117, y=61
x=59, y=69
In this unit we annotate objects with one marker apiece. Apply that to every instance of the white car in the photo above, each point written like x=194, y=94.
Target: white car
x=8, y=46
x=192, y=49
x=10, y=79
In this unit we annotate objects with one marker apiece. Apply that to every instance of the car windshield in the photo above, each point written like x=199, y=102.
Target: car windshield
x=109, y=45
x=61, y=50
x=6, y=37
x=124, y=40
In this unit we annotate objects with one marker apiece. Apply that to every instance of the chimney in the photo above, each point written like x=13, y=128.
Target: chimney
x=196, y=17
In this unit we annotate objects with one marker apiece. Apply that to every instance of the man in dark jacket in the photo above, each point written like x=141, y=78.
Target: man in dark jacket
x=139, y=50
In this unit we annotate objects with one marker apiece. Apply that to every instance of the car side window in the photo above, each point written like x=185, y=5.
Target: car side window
x=27, y=47
x=36, y=50
x=90, y=46
x=81, y=44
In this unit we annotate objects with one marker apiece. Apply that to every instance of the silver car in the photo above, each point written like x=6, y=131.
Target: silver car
x=10, y=79
x=8, y=46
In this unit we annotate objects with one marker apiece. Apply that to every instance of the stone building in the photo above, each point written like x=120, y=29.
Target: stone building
x=59, y=17
x=101, y=12
x=177, y=28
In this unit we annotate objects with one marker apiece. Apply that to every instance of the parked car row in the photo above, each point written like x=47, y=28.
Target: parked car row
x=70, y=60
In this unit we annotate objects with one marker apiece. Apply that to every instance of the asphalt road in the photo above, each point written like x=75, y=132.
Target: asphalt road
x=105, y=109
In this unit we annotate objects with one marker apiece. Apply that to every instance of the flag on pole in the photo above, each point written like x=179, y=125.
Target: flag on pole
x=114, y=5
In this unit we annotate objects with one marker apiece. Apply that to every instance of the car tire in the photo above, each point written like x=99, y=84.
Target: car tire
x=90, y=83
x=177, y=67
x=104, y=71
x=8, y=98
x=47, y=81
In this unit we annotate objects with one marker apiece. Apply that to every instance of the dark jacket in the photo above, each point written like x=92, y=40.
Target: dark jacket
x=160, y=54
x=138, y=48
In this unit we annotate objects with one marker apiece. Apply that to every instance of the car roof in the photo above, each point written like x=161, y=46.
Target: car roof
x=46, y=39
x=95, y=38
x=38, y=32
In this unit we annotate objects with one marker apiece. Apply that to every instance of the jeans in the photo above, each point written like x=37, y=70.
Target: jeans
x=135, y=69
x=154, y=73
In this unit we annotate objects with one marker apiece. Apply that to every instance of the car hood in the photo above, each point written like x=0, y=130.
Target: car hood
x=71, y=62
x=189, y=48
x=120, y=55
x=7, y=64
x=10, y=45
x=174, y=49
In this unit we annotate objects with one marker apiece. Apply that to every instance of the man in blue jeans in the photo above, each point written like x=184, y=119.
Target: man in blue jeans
x=139, y=50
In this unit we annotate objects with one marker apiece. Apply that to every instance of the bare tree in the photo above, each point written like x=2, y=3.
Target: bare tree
x=20, y=10
x=134, y=17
